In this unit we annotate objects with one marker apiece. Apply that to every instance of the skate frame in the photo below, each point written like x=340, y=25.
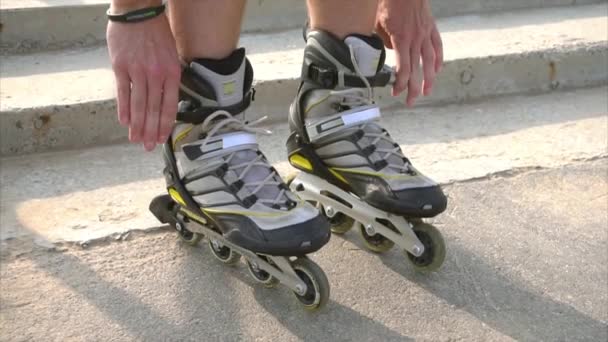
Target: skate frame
x=281, y=269
x=335, y=200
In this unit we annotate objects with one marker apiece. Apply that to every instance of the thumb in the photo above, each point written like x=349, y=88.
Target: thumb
x=386, y=38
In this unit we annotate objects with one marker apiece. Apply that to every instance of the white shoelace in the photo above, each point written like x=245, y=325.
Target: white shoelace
x=355, y=97
x=230, y=122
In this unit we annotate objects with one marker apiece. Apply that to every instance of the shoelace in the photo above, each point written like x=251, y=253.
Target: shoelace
x=355, y=97
x=232, y=123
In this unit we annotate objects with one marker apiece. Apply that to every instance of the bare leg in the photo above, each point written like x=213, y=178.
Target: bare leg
x=206, y=28
x=343, y=17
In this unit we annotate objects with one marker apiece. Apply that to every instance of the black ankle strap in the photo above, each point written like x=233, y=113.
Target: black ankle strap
x=331, y=78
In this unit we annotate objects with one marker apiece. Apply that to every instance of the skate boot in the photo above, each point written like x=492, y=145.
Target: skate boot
x=351, y=165
x=222, y=187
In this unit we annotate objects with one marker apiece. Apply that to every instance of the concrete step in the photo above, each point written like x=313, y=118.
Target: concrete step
x=78, y=23
x=64, y=99
x=92, y=193
x=69, y=23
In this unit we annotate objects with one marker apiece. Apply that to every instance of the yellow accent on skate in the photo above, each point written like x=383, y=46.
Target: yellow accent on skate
x=337, y=175
x=242, y=213
x=316, y=104
x=229, y=88
x=176, y=197
x=182, y=135
x=301, y=161
x=180, y=200
x=193, y=216
x=376, y=174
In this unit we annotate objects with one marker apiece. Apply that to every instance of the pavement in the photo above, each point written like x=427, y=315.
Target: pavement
x=526, y=230
x=526, y=261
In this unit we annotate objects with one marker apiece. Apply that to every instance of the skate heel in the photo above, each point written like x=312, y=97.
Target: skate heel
x=162, y=208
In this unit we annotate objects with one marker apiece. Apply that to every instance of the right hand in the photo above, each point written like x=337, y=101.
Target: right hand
x=147, y=71
x=409, y=28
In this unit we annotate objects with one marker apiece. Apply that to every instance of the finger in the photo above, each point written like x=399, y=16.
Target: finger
x=386, y=38
x=139, y=90
x=169, y=106
x=414, y=84
x=123, y=94
x=150, y=132
x=438, y=47
x=428, y=64
x=402, y=56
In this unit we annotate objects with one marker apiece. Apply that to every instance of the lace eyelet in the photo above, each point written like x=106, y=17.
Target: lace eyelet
x=250, y=200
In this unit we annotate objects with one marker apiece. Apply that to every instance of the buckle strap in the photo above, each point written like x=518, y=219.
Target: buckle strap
x=331, y=78
x=196, y=149
x=343, y=119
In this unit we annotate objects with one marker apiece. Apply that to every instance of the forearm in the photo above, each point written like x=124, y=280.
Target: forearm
x=122, y=6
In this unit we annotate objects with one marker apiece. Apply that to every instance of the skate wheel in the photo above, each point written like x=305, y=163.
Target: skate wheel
x=262, y=276
x=340, y=223
x=165, y=209
x=317, y=285
x=189, y=237
x=434, y=248
x=185, y=235
x=223, y=253
x=375, y=243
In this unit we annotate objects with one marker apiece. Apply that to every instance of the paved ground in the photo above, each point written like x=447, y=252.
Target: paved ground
x=526, y=229
x=527, y=261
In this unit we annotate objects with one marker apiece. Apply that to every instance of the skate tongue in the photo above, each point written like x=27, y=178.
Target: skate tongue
x=226, y=77
x=366, y=55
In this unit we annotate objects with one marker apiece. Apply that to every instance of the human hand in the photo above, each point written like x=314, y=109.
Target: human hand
x=408, y=27
x=147, y=72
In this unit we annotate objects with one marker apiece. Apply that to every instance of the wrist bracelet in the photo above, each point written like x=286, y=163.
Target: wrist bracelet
x=137, y=15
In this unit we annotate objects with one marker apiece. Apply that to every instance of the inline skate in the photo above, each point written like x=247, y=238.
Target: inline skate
x=221, y=187
x=350, y=166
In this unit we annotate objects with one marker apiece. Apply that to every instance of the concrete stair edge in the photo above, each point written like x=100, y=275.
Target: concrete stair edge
x=89, y=123
x=60, y=27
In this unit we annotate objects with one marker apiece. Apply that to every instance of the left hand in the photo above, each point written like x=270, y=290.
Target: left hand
x=408, y=27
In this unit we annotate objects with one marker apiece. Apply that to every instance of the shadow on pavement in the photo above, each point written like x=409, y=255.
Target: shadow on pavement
x=487, y=222
x=468, y=281
x=116, y=303
x=330, y=323
x=128, y=311
x=499, y=302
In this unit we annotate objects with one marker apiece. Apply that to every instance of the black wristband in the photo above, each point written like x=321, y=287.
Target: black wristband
x=137, y=15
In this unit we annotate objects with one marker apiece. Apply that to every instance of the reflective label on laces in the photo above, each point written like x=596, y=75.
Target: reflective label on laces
x=343, y=119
